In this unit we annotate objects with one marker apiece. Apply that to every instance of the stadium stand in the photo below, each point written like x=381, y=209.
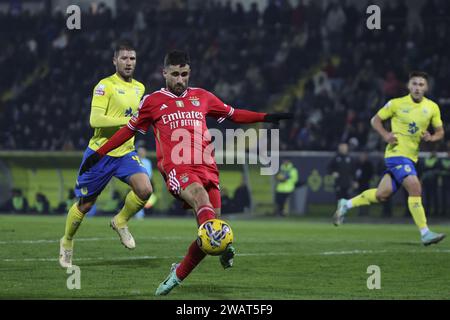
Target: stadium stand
x=316, y=59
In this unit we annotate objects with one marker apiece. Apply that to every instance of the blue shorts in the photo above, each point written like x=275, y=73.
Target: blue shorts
x=92, y=182
x=399, y=168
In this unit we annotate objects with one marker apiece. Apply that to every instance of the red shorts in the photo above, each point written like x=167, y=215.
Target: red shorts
x=180, y=177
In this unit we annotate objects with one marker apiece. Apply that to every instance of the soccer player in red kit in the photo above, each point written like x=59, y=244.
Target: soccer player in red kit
x=175, y=112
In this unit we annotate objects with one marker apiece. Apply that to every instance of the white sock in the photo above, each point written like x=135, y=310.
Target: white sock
x=348, y=204
x=424, y=230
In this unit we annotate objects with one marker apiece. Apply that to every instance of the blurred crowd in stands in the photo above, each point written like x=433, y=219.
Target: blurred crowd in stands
x=340, y=71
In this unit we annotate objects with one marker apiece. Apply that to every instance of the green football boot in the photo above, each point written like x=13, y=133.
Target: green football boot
x=169, y=283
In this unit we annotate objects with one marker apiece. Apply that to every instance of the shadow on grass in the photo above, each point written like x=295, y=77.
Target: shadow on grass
x=410, y=244
x=217, y=291
x=141, y=296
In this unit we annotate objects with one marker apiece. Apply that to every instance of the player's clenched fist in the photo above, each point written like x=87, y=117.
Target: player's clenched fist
x=426, y=136
x=391, y=138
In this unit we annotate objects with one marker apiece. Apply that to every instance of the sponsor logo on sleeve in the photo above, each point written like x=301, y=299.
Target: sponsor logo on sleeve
x=99, y=90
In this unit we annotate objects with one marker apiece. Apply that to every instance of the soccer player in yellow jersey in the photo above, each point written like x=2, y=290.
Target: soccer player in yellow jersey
x=410, y=116
x=115, y=99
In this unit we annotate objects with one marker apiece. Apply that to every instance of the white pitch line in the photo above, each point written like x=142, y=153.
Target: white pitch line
x=84, y=239
x=330, y=253
x=50, y=240
x=43, y=241
x=139, y=257
x=94, y=259
x=349, y=252
x=268, y=254
x=326, y=253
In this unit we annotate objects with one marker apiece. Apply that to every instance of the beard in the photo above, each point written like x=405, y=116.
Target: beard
x=126, y=74
x=178, y=88
x=417, y=96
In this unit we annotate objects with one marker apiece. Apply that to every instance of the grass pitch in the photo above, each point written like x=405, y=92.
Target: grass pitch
x=277, y=259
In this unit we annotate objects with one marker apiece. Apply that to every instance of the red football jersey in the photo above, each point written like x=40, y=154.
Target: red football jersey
x=179, y=125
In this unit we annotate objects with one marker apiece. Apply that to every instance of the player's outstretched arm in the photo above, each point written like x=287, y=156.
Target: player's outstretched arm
x=247, y=116
x=119, y=138
x=98, y=119
x=276, y=117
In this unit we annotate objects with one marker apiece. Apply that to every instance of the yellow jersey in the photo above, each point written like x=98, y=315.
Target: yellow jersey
x=119, y=99
x=409, y=120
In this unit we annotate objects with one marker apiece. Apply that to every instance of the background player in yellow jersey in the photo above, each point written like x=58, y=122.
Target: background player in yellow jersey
x=114, y=101
x=410, y=116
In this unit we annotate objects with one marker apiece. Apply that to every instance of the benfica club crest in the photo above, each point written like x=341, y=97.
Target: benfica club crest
x=195, y=101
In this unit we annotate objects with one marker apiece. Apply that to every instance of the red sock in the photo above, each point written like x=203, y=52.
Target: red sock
x=205, y=213
x=195, y=254
x=190, y=261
